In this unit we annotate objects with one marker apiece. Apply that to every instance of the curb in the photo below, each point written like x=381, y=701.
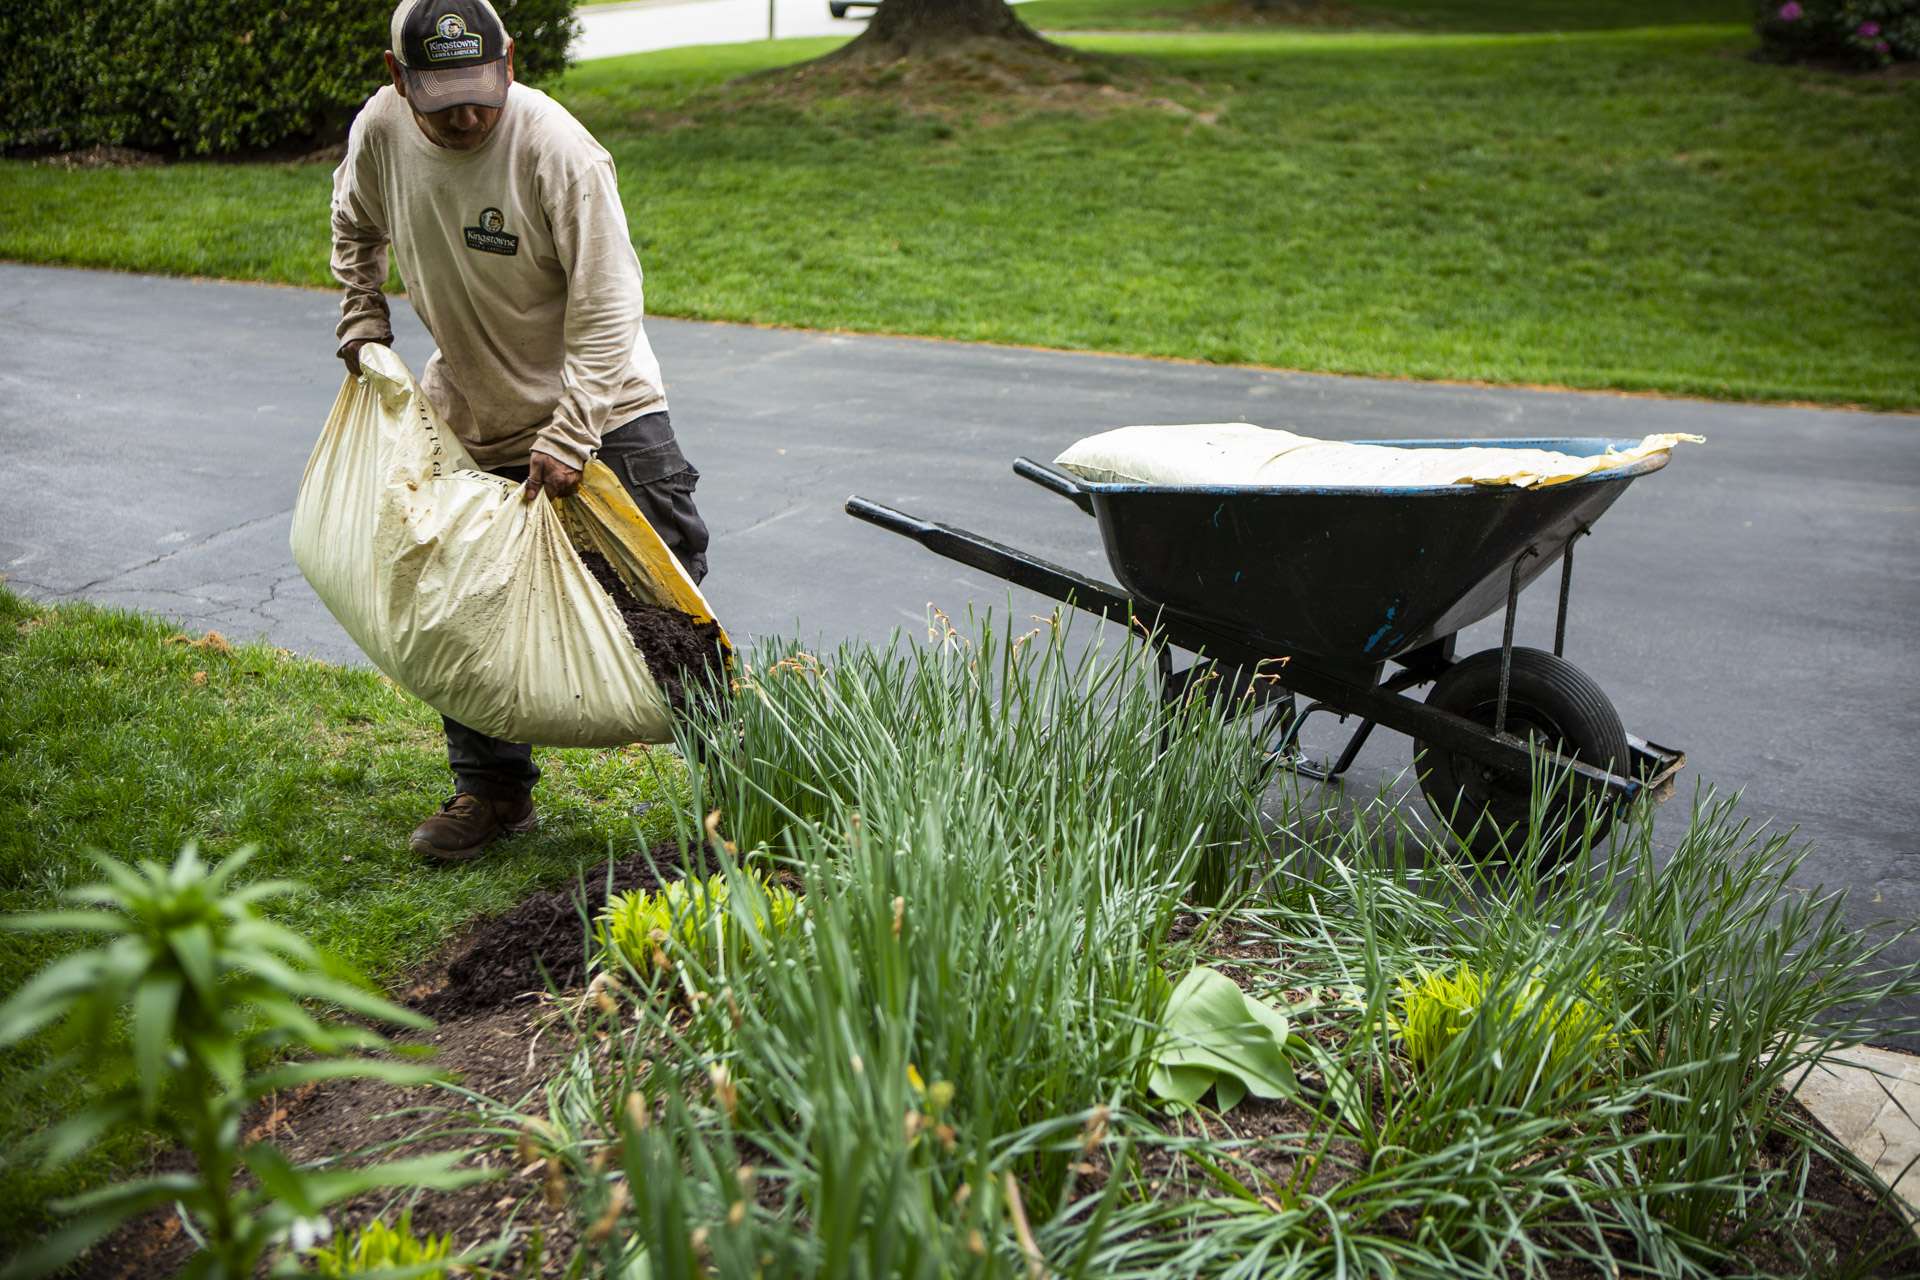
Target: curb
x=1869, y=1099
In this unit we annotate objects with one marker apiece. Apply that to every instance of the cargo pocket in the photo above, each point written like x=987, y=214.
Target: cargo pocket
x=650, y=465
x=647, y=459
x=668, y=506
x=643, y=451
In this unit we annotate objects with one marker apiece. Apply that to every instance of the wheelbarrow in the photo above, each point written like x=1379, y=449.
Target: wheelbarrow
x=1350, y=597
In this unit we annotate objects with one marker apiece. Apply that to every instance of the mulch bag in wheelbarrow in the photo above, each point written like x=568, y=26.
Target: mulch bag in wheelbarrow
x=470, y=598
x=1239, y=453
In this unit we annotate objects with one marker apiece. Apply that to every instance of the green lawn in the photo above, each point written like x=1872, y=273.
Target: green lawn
x=111, y=740
x=1643, y=209
x=1413, y=15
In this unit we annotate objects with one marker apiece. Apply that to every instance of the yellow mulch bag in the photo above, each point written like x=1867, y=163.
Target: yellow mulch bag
x=468, y=597
x=1239, y=453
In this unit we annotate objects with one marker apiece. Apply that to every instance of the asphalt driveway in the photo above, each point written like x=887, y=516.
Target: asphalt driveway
x=1756, y=603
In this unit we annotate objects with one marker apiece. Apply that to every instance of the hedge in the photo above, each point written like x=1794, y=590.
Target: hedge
x=1860, y=33
x=209, y=77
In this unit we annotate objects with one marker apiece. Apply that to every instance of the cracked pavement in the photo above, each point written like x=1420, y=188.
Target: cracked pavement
x=1755, y=604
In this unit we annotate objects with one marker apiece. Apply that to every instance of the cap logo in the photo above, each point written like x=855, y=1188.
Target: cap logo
x=452, y=40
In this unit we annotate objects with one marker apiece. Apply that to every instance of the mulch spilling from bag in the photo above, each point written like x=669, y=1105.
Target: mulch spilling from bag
x=542, y=941
x=673, y=644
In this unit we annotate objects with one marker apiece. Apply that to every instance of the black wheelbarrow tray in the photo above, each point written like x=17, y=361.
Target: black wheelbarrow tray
x=1350, y=597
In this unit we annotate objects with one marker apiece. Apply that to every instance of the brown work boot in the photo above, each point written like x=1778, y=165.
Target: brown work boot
x=468, y=823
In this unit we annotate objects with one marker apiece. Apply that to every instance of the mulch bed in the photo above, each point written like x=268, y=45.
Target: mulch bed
x=673, y=644
x=1861, y=1236
x=506, y=1054
x=501, y=1035
x=542, y=942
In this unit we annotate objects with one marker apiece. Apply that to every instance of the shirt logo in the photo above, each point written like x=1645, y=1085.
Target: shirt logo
x=491, y=236
x=453, y=40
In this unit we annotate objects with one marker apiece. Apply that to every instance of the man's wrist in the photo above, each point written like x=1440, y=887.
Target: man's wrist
x=563, y=452
x=347, y=341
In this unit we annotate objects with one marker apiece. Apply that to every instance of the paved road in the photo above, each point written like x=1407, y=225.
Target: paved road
x=1756, y=603
x=641, y=26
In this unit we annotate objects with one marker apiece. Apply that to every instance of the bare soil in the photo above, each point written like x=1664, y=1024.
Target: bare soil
x=499, y=1035
x=506, y=1054
x=542, y=943
x=964, y=84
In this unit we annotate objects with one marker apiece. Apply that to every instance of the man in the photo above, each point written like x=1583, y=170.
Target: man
x=505, y=217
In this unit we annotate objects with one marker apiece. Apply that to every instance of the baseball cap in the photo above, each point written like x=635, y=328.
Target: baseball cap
x=452, y=53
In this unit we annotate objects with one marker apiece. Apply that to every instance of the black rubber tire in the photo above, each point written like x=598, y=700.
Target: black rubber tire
x=1547, y=697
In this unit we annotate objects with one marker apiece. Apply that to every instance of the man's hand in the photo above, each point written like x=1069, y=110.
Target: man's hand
x=544, y=471
x=350, y=352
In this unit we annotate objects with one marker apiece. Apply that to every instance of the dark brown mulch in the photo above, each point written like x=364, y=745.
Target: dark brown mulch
x=507, y=1054
x=1279, y=1138
x=673, y=644
x=495, y=1036
x=542, y=942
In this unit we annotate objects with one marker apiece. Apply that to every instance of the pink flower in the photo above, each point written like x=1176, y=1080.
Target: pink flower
x=1791, y=11
x=1868, y=29
x=1880, y=46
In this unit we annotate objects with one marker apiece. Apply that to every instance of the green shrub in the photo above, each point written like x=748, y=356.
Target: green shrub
x=1865, y=33
x=200, y=77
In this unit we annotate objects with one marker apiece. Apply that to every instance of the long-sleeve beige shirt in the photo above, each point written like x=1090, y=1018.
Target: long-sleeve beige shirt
x=516, y=257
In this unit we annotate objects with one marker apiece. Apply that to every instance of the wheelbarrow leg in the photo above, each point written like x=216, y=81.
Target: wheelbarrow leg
x=1506, y=641
x=1347, y=756
x=1416, y=674
x=1566, y=591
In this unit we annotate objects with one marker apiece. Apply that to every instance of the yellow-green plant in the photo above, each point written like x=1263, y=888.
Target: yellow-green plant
x=694, y=920
x=1436, y=1006
x=378, y=1248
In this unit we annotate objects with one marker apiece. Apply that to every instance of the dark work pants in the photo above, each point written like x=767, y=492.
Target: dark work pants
x=651, y=467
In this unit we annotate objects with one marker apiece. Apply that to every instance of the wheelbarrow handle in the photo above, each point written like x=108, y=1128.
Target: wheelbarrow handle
x=1052, y=478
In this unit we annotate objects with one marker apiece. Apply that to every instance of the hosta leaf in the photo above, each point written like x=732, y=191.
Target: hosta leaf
x=1215, y=1031
x=1185, y=1085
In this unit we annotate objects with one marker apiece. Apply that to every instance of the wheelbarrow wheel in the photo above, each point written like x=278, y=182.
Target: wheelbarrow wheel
x=1549, y=699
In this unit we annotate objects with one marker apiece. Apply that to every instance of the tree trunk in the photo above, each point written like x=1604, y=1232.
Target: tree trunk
x=903, y=28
